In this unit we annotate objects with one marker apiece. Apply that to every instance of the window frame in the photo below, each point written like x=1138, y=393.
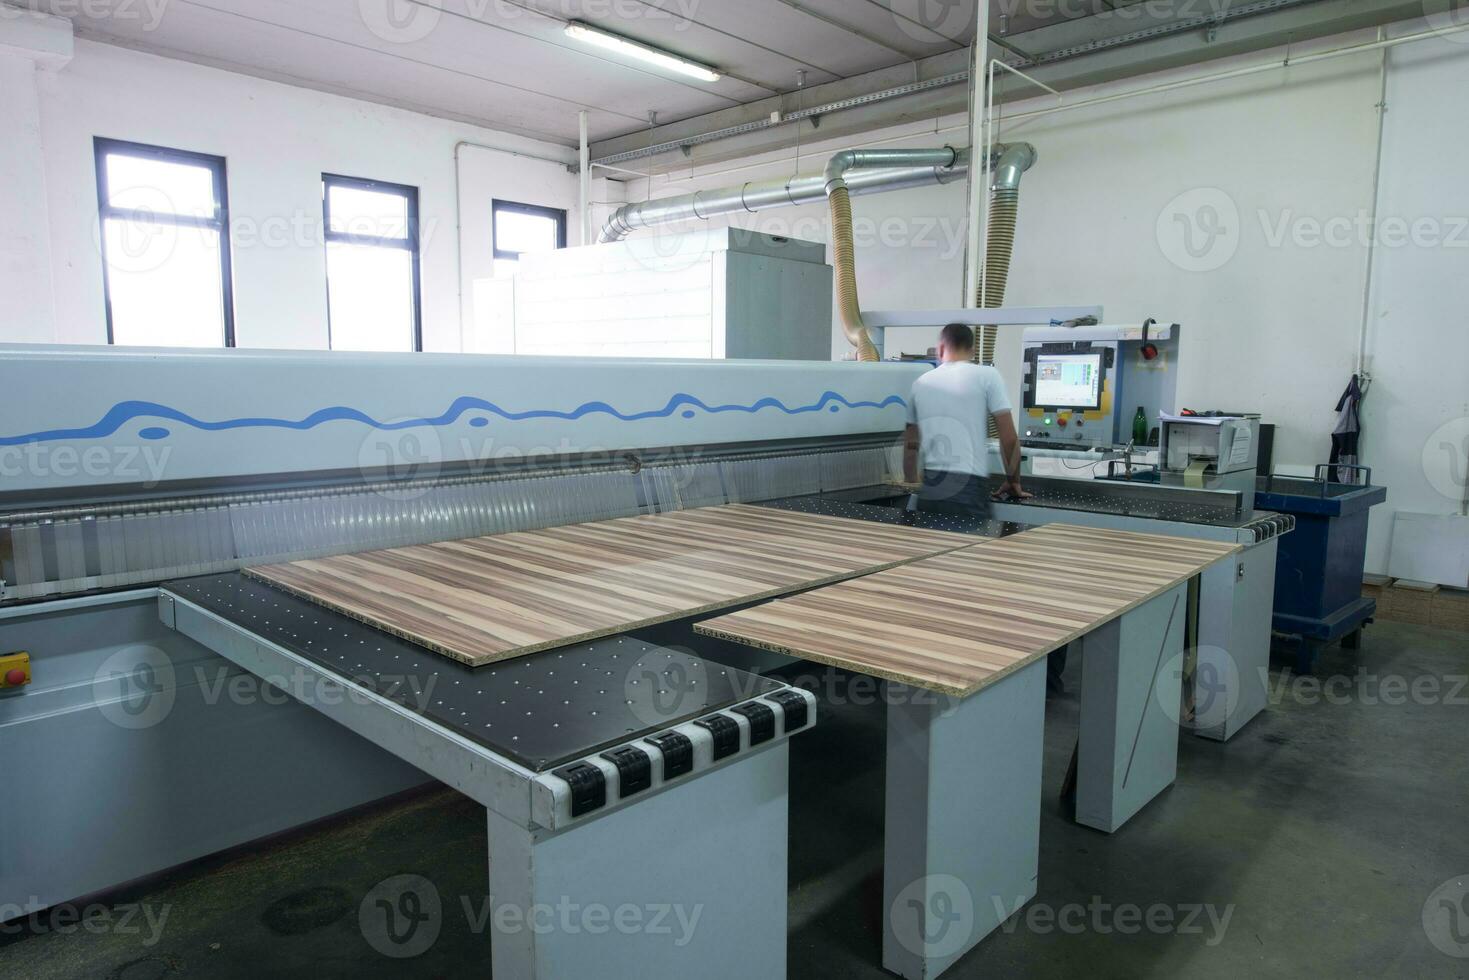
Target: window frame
x=409, y=193
x=516, y=207
x=102, y=146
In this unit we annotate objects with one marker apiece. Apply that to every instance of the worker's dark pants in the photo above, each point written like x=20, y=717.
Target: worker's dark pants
x=956, y=494
x=963, y=495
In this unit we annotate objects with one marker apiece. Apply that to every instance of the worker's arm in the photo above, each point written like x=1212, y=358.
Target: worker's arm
x=1010, y=456
x=910, y=455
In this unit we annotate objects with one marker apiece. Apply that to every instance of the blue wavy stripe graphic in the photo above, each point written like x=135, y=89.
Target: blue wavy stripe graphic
x=688, y=405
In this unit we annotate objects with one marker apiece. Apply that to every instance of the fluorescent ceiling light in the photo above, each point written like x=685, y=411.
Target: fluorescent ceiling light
x=632, y=49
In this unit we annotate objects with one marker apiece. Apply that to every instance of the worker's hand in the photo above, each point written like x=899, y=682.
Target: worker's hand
x=1010, y=490
x=911, y=486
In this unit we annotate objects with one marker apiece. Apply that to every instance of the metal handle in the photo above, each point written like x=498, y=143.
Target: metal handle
x=1323, y=470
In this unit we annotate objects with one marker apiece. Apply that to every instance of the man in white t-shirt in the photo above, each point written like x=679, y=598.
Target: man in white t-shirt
x=948, y=422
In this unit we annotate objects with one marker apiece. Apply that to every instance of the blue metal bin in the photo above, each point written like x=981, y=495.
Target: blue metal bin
x=1318, y=574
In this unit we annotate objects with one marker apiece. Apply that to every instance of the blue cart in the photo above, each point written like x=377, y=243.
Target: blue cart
x=1318, y=571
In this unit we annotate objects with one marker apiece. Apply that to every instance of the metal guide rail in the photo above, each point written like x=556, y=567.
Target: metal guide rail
x=821, y=504
x=583, y=727
x=132, y=542
x=1206, y=508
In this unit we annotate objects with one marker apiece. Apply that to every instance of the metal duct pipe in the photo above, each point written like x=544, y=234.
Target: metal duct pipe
x=762, y=195
x=843, y=258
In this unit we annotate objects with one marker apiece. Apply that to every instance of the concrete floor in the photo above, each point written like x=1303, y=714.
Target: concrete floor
x=1320, y=831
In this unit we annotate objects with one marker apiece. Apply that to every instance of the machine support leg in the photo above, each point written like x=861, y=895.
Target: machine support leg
x=1130, y=689
x=688, y=883
x=962, y=844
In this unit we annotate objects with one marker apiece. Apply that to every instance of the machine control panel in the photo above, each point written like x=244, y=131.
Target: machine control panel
x=15, y=670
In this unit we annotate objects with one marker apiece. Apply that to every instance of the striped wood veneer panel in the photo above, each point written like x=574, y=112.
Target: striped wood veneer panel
x=960, y=621
x=481, y=600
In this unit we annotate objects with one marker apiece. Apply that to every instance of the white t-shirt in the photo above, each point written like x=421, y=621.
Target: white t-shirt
x=952, y=405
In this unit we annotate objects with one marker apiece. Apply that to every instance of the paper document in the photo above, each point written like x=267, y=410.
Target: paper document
x=1240, y=451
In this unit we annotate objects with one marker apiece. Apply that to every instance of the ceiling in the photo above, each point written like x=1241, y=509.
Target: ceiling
x=508, y=65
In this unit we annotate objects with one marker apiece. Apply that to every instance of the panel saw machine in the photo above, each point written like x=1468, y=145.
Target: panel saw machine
x=1192, y=476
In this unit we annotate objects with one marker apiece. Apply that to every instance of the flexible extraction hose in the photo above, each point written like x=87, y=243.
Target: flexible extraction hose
x=1000, y=243
x=845, y=263
x=843, y=254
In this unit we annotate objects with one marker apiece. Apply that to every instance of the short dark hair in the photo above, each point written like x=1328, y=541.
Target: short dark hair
x=958, y=336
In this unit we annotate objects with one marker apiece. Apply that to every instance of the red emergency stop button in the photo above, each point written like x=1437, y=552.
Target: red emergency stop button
x=15, y=669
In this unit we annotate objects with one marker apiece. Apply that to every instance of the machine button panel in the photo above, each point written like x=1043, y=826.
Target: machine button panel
x=795, y=708
x=678, y=753
x=15, y=670
x=588, y=786
x=634, y=769
x=761, y=718
x=726, y=732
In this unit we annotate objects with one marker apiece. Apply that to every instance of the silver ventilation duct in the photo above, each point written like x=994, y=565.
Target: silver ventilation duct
x=783, y=192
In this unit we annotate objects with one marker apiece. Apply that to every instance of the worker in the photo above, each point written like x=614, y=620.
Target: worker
x=948, y=421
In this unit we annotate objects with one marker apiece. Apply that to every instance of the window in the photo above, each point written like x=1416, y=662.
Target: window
x=520, y=229
x=372, y=287
x=163, y=219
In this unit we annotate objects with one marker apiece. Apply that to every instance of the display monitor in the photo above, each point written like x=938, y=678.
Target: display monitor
x=1068, y=381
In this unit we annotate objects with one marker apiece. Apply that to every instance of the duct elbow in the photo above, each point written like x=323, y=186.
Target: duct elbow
x=1015, y=159
x=836, y=168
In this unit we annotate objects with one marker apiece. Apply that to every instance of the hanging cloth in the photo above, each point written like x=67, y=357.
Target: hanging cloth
x=1347, y=432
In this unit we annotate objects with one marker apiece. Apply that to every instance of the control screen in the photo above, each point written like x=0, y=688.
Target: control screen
x=1068, y=381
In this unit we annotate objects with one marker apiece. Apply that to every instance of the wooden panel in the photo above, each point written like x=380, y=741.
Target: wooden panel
x=482, y=600
x=959, y=621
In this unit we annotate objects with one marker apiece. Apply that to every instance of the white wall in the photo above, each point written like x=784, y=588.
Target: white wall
x=277, y=140
x=1272, y=305
x=1416, y=417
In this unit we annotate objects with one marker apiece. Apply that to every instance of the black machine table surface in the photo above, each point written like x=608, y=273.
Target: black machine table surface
x=540, y=710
